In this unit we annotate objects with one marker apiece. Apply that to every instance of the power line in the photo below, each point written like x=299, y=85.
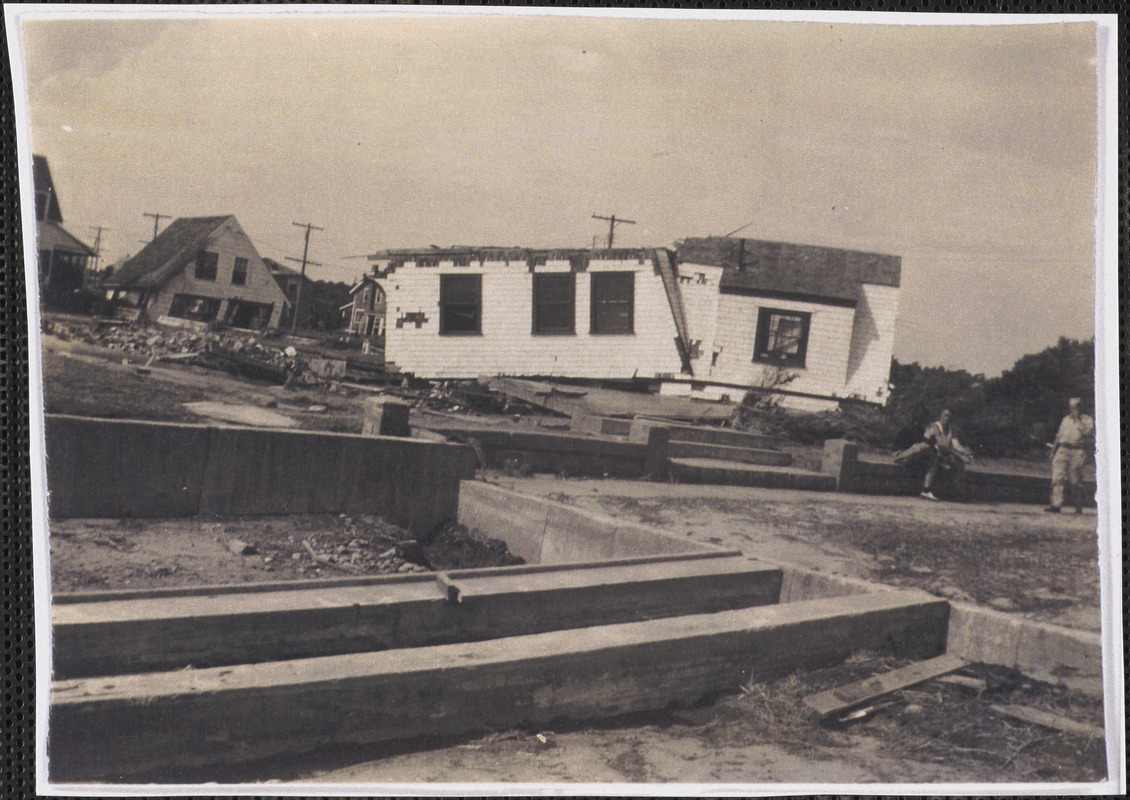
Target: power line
x=309, y=226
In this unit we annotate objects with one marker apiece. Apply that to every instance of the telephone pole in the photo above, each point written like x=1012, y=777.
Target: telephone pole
x=97, y=243
x=309, y=226
x=612, y=221
x=156, y=220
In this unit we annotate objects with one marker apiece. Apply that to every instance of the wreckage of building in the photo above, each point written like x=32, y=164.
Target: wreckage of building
x=711, y=318
x=203, y=269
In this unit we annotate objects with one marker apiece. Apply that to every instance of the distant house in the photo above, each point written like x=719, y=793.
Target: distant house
x=62, y=259
x=366, y=311
x=716, y=317
x=204, y=269
x=289, y=280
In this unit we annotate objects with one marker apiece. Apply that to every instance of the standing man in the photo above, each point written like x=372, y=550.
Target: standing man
x=1074, y=441
x=945, y=452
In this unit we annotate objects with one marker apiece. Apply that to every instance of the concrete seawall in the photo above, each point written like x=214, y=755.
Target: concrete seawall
x=123, y=468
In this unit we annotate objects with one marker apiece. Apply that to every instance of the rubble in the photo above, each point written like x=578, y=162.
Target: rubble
x=239, y=351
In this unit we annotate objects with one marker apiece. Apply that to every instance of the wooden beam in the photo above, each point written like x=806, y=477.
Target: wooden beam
x=1049, y=720
x=845, y=698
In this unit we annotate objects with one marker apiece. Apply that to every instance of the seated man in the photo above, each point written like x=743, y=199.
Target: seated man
x=946, y=452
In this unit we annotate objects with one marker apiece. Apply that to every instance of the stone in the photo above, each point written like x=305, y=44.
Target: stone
x=1002, y=604
x=242, y=548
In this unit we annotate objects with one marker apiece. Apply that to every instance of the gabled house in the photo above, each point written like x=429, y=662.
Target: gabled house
x=716, y=316
x=204, y=269
x=62, y=258
x=365, y=313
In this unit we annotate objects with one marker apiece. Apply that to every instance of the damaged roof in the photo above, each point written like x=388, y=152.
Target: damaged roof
x=754, y=266
x=173, y=249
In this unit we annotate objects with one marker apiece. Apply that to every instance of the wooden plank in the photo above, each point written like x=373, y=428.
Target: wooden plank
x=1049, y=720
x=844, y=698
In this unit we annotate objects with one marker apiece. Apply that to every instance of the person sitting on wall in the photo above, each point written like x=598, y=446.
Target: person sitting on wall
x=1073, y=443
x=945, y=452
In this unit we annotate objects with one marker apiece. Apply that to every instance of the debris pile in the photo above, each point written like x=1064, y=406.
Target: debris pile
x=241, y=352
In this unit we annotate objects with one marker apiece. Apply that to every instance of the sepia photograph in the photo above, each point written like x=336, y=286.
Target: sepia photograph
x=489, y=401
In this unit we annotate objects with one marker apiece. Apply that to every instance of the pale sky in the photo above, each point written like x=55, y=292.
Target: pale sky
x=969, y=151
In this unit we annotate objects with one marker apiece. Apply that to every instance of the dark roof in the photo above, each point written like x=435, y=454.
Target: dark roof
x=52, y=236
x=279, y=269
x=363, y=281
x=752, y=265
x=43, y=183
x=171, y=251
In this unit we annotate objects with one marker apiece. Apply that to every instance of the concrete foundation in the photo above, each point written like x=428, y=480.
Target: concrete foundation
x=118, y=468
x=111, y=728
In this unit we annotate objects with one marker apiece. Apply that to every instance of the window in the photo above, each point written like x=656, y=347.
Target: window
x=187, y=306
x=782, y=337
x=239, y=272
x=554, y=302
x=613, y=295
x=206, y=265
x=460, y=304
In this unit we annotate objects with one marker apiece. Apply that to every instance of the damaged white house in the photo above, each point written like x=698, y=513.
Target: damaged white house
x=714, y=317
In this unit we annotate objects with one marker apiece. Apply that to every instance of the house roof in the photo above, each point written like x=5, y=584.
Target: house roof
x=364, y=280
x=779, y=268
x=279, y=269
x=171, y=251
x=52, y=236
x=41, y=174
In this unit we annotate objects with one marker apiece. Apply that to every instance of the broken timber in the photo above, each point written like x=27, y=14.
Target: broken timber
x=1048, y=720
x=845, y=698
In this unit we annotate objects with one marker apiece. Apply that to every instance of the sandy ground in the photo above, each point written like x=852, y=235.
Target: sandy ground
x=1014, y=558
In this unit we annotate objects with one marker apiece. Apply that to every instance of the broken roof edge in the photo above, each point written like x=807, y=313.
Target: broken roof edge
x=406, y=253
x=169, y=264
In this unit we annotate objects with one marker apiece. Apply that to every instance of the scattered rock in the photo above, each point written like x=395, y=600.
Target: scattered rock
x=242, y=548
x=954, y=593
x=1002, y=604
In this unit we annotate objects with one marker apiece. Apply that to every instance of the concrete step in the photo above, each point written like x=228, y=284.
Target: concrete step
x=702, y=435
x=151, y=725
x=703, y=470
x=209, y=627
x=719, y=452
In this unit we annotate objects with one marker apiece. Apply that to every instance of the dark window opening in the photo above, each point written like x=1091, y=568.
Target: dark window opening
x=613, y=302
x=782, y=337
x=188, y=306
x=461, y=304
x=206, y=265
x=555, y=296
x=239, y=272
x=245, y=314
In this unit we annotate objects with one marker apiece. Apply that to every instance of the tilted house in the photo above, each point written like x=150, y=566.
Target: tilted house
x=204, y=269
x=716, y=317
x=814, y=323
x=62, y=259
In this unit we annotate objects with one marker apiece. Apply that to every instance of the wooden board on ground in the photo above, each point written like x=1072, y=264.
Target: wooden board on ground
x=844, y=698
x=1049, y=720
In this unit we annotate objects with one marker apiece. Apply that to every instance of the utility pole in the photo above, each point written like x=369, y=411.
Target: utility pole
x=309, y=226
x=156, y=220
x=97, y=243
x=612, y=225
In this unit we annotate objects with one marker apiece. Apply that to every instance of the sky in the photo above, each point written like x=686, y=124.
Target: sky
x=969, y=151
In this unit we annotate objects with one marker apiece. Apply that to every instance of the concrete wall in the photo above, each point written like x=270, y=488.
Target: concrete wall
x=862, y=476
x=555, y=453
x=507, y=345
x=230, y=242
x=116, y=468
x=545, y=532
